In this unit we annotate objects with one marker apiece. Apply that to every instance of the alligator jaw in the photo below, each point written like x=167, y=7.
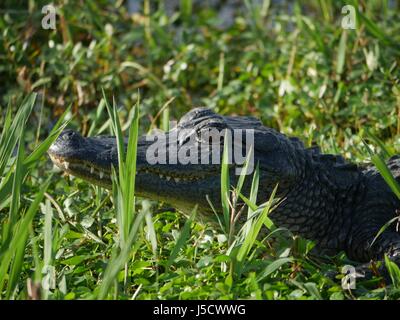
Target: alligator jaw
x=160, y=182
x=173, y=177
x=92, y=158
x=84, y=170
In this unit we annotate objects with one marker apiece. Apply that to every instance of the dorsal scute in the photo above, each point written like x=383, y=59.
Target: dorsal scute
x=297, y=142
x=330, y=160
x=335, y=161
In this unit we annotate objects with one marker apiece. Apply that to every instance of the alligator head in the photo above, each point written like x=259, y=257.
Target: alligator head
x=168, y=171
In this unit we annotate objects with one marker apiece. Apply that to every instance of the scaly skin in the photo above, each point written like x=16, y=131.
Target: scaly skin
x=337, y=204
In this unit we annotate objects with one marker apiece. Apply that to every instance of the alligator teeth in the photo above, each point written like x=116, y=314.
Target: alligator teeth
x=101, y=174
x=66, y=165
x=161, y=176
x=177, y=179
x=168, y=178
x=91, y=170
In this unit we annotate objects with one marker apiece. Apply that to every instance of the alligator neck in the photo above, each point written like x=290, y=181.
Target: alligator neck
x=317, y=201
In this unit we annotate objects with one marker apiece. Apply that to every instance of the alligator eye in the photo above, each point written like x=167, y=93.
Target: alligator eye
x=68, y=134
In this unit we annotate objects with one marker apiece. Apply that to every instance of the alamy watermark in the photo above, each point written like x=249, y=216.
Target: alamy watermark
x=49, y=20
x=189, y=147
x=350, y=277
x=349, y=20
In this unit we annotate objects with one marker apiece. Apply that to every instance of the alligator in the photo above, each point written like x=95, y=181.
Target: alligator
x=339, y=205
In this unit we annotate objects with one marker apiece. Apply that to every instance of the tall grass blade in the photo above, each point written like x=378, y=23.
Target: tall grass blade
x=123, y=190
x=31, y=160
x=341, y=57
x=131, y=168
x=16, y=187
x=151, y=233
x=255, y=229
x=225, y=183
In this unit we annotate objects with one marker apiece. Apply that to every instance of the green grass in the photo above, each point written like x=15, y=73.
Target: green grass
x=299, y=73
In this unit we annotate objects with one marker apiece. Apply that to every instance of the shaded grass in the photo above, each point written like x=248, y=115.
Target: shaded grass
x=15, y=230
x=123, y=198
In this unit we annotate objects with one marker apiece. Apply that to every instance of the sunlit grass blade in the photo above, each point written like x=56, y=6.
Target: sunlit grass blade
x=116, y=128
x=47, y=270
x=123, y=191
x=341, y=56
x=131, y=166
x=16, y=187
x=243, y=172
x=47, y=234
x=165, y=119
x=31, y=160
x=255, y=229
x=119, y=193
x=151, y=233
x=225, y=183
x=251, y=203
x=253, y=194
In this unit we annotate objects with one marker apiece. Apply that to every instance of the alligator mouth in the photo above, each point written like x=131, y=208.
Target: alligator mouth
x=176, y=177
x=83, y=169
x=102, y=176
